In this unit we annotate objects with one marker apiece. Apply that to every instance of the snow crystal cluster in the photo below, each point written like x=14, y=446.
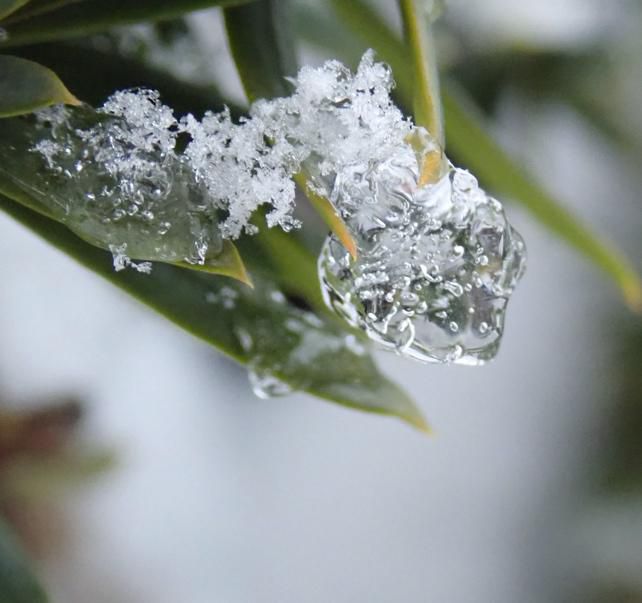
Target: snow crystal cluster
x=437, y=260
x=131, y=155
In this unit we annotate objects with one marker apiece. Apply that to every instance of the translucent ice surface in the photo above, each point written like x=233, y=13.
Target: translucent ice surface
x=436, y=265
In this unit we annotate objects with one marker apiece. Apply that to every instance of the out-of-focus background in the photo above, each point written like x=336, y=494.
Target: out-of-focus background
x=530, y=489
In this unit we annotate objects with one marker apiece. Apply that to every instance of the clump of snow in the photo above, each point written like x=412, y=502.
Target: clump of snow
x=333, y=118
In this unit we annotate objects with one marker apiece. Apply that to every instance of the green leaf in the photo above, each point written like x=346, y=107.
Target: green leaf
x=255, y=327
x=227, y=263
x=26, y=86
x=23, y=177
x=311, y=353
x=261, y=46
x=470, y=142
x=38, y=7
x=93, y=16
x=9, y=6
x=94, y=74
x=17, y=584
x=290, y=264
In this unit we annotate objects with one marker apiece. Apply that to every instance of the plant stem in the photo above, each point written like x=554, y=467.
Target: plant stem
x=418, y=35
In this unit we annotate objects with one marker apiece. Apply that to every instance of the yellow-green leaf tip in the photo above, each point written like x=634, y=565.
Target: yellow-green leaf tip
x=420, y=424
x=632, y=292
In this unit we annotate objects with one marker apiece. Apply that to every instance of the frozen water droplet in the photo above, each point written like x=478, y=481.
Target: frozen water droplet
x=432, y=283
x=265, y=385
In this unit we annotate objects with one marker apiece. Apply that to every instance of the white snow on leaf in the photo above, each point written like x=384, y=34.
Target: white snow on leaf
x=333, y=118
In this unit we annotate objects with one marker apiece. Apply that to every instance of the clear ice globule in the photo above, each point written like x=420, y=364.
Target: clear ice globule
x=436, y=263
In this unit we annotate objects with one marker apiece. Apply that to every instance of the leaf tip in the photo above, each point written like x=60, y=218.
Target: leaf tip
x=420, y=424
x=433, y=167
x=350, y=244
x=70, y=99
x=632, y=292
x=244, y=277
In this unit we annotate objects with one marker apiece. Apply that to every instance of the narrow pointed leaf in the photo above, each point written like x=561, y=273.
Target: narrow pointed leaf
x=255, y=327
x=26, y=86
x=93, y=74
x=470, y=142
x=33, y=8
x=24, y=177
x=93, y=16
x=264, y=55
x=227, y=263
x=291, y=264
x=17, y=583
x=261, y=47
x=9, y=6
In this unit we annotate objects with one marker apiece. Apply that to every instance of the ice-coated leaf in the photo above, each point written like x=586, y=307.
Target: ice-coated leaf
x=9, y=6
x=280, y=342
x=470, y=142
x=257, y=327
x=17, y=583
x=94, y=75
x=26, y=86
x=228, y=262
x=153, y=218
x=145, y=220
x=93, y=16
x=264, y=56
